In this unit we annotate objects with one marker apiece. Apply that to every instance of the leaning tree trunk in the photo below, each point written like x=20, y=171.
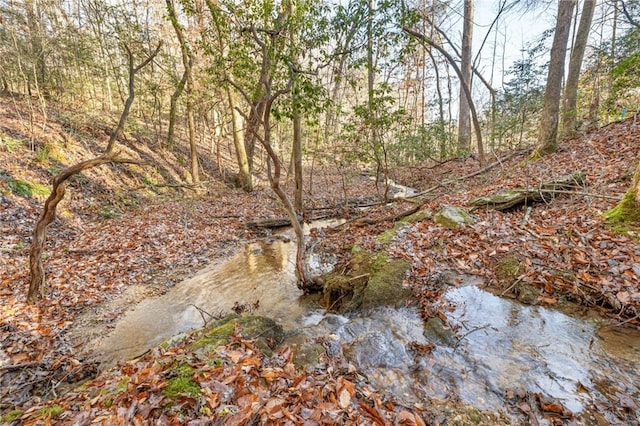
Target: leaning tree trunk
x=187, y=63
x=467, y=91
x=36, y=269
x=548, y=136
x=37, y=278
x=173, y=110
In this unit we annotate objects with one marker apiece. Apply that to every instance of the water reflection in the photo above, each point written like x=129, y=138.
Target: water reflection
x=496, y=346
x=261, y=272
x=499, y=347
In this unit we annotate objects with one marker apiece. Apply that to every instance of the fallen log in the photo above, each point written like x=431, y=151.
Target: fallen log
x=277, y=222
x=545, y=192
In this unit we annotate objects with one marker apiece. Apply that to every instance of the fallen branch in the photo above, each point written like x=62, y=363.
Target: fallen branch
x=390, y=218
x=473, y=174
x=508, y=199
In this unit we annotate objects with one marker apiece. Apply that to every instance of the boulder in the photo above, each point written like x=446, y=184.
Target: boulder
x=452, y=217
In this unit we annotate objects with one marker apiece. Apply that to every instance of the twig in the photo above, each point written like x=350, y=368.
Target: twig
x=470, y=175
x=586, y=194
x=19, y=366
x=621, y=323
x=525, y=219
x=510, y=287
x=468, y=333
x=202, y=312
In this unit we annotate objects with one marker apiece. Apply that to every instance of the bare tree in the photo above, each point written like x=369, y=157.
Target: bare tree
x=464, y=116
x=548, y=134
x=187, y=63
x=467, y=91
x=36, y=269
x=569, y=108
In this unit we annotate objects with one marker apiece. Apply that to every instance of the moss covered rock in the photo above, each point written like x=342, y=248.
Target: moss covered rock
x=385, y=283
x=373, y=280
x=452, y=217
x=419, y=216
x=625, y=216
x=265, y=331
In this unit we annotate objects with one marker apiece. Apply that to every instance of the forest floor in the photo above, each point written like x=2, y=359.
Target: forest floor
x=122, y=235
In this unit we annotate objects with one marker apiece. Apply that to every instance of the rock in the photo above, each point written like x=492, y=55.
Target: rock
x=452, y=217
x=436, y=331
x=265, y=330
x=307, y=353
x=526, y=293
x=419, y=216
x=385, y=284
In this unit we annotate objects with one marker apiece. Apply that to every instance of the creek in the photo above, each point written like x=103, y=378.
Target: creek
x=491, y=353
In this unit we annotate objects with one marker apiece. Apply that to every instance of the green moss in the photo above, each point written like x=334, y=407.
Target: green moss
x=419, y=216
x=373, y=280
x=122, y=385
x=11, y=416
x=388, y=235
x=182, y=381
x=40, y=191
x=110, y=212
x=28, y=189
x=385, y=284
x=526, y=293
x=625, y=216
x=183, y=370
x=452, y=217
x=474, y=415
x=52, y=411
x=179, y=386
x=508, y=269
x=265, y=330
x=11, y=144
x=565, y=275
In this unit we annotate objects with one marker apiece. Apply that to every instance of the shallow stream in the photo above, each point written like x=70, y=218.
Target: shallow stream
x=492, y=353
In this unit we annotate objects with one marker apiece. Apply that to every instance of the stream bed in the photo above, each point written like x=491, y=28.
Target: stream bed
x=491, y=353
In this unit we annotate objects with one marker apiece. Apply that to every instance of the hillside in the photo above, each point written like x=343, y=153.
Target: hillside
x=125, y=233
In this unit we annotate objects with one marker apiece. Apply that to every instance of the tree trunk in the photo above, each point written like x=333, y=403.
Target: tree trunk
x=187, y=62
x=244, y=172
x=132, y=94
x=467, y=92
x=627, y=213
x=569, y=110
x=173, y=110
x=297, y=156
x=548, y=136
x=36, y=269
x=464, y=112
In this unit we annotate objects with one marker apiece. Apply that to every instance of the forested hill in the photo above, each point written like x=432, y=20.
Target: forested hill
x=121, y=237
x=453, y=145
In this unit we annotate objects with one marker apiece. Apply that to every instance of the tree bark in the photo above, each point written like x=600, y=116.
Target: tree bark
x=173, y=110
x=36, y=269
x=187, y=62
x=464, y=116
x=548, y=134
x=569, y=109
x=244, y=171
x=627, y=211
x=297, y=157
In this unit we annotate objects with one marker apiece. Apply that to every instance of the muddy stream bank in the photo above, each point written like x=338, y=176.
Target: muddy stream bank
x=491, y=353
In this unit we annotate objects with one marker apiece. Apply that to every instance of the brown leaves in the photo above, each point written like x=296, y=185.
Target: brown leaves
x=563, y=247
